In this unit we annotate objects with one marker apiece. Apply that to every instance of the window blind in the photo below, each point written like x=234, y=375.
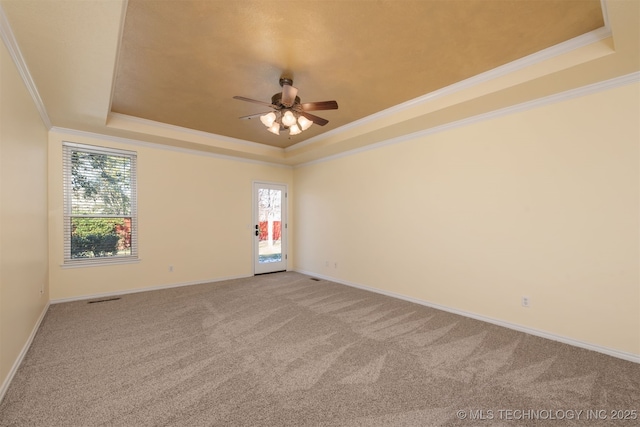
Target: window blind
x=100, y=204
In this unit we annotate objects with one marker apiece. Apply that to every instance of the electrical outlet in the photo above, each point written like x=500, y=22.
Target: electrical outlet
x=171, y=269
x=335, y=265
x=526, y=301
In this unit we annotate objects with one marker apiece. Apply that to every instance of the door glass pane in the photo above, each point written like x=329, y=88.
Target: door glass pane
x=270, y=225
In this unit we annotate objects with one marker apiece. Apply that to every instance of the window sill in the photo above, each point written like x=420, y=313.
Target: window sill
x=85, y=263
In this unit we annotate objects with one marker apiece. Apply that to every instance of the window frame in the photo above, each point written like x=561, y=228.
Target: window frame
x=67, y=149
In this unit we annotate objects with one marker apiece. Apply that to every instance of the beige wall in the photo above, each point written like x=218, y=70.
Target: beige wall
x=543, y=203
x=24, y=291
x=194, y=213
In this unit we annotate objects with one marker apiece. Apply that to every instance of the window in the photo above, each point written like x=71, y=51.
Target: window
x=100, y=219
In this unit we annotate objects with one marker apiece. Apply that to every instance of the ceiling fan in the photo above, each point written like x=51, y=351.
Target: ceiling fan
x=288, y=112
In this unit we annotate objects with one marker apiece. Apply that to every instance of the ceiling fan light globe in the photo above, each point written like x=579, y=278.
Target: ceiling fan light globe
x=294, y=130
x=274, y=128
x=288, y=119
x=304, y=123
x=268, y=119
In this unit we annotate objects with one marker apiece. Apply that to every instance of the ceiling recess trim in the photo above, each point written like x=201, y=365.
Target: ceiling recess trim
x=130, y=123
x=121, y=121
x=551, y=99
x=14, y=50
x=142, y=143
x=519, y=64
x=114, y=76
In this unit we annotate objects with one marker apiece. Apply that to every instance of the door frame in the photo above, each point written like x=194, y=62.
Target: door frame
x=283, y=228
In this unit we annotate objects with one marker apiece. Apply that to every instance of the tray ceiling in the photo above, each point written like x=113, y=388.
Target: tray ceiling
x=181, y=62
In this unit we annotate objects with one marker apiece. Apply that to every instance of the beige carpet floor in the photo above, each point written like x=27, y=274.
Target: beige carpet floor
x=285, y=350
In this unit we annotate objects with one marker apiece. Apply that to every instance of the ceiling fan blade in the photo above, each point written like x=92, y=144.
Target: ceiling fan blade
x=288, y=95
x=322, y=105
x=315, y=119
x=242, y=98
x=251, y=116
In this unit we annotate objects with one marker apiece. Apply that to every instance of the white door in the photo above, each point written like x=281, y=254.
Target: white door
x=270, y=227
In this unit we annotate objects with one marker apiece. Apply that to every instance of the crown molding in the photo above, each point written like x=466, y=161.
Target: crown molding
x=12, y=46
x=551, y=99
x=141, y=143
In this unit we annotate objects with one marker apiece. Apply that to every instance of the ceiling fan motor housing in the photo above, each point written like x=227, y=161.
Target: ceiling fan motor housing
x=276, y=100
x=286, y=81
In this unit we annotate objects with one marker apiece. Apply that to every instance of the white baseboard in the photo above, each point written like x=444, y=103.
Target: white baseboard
x=543, y=334
x=152, y=288
x=23, y=353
